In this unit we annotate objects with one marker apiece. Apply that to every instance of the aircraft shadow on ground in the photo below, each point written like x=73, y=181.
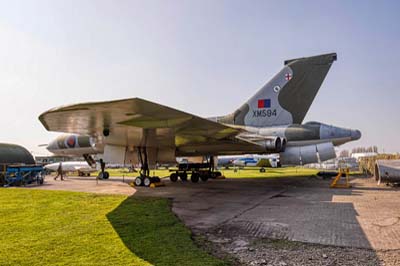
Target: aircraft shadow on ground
x=152, y=232
x=136, y=230
x=317, y=219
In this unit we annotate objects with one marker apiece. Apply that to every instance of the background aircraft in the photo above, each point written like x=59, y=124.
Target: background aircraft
x=266, y=160
x=140, y=131
x=82, y=168
x=270, y=160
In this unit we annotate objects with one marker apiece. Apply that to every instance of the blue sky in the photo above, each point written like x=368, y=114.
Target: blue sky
x=203, y=57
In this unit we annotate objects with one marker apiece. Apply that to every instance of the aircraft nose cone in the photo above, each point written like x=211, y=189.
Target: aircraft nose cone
x=355, y=134
x=52, y=146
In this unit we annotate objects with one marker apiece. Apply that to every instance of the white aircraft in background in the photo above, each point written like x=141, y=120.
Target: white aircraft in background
x=83, y=168
x=270, y=160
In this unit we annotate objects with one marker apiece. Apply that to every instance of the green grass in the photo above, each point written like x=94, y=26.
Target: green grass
x=253, y=172
x=247, y=172
x=68, y=228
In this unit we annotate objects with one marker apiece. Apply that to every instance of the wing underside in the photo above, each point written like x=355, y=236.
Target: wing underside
x=137, y=122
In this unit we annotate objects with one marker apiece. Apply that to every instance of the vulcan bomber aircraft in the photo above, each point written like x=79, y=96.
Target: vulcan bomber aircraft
x=140, y=131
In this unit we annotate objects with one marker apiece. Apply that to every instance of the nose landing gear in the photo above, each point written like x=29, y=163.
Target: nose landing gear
x=103, y=174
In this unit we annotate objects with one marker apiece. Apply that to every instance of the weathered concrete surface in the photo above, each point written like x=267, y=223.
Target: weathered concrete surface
x=87, y=184
x=207, y=205
x=378, y=212
x=300, y=209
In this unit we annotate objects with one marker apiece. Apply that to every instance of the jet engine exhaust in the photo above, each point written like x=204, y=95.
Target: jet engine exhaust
x=387, y=171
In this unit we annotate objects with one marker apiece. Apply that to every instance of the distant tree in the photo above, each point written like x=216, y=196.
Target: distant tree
x=365, y=149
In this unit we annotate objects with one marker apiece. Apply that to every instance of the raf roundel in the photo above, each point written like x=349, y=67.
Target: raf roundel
x=71, y=141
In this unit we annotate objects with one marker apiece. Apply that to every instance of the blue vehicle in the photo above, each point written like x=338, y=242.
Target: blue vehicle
x=17, y=175
x=18, y=167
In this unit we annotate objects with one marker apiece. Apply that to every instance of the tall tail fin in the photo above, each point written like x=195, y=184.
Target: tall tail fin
x=286, y=98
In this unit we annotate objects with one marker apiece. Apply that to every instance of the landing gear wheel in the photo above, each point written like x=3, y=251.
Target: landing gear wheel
x=146, y=181
x=194, y=178
x=173, y=177
x=138, y=181
x=155, y=179
x=262, y=170
x=183, y=176
x=106, y=175
x=215, y=175
x=204, y=177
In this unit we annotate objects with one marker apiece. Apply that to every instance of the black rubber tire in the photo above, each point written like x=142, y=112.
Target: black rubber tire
x=106, y=175
x=155, y=179
x=183, y=176
x=88, y=174
x=194, y=177
x=173, y=177
x=146, y=181
x=262, y=170
x=215, y=174
x=138, y=181
x=204, y=177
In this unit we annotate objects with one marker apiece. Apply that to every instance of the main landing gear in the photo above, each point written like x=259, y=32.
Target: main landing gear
x=197, y=171
x=144, y=179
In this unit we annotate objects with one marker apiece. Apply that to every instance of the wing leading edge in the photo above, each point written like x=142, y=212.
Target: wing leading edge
x=139, y=122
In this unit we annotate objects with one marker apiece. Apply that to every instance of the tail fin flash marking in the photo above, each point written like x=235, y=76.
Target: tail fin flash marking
x=264, y=103
x=286, y=98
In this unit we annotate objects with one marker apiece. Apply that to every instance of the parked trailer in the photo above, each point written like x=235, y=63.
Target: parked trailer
x=21, y=175
x=198, y=171
x=387, y=171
